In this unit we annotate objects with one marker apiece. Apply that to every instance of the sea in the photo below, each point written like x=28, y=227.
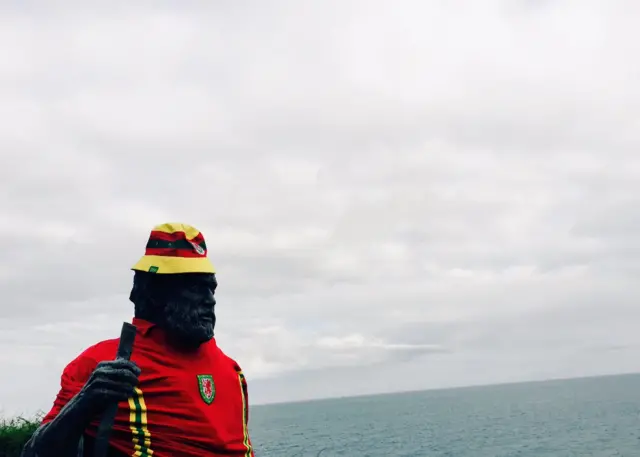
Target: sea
x=590, y=417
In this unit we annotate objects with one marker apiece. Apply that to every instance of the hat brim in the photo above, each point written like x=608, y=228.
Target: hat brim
x=174, y=265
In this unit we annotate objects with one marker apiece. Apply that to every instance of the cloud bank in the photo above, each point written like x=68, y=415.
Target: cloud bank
x=423, y=195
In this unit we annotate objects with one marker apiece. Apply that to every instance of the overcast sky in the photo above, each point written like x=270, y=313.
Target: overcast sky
x=397, y=195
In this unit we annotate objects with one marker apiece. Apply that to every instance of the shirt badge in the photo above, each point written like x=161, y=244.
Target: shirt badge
x=197, y=247
x=207, y=388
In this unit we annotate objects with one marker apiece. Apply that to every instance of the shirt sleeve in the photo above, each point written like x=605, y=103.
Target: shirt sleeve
x=73, y=378
x=243, y=387
x=245, y=394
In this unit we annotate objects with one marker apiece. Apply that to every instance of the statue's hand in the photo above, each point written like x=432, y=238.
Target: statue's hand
x=111, y=381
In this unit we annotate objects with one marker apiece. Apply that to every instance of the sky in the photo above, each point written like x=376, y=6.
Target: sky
x=396, y=195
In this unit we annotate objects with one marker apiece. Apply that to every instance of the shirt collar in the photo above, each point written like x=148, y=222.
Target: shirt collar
x=143, y=326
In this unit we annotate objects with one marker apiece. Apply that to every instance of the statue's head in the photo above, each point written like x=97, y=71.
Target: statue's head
x=174, y=285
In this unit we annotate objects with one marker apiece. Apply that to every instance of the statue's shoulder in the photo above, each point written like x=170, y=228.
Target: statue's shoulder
x=226, y=359
x=85, y=362
x=103, y=350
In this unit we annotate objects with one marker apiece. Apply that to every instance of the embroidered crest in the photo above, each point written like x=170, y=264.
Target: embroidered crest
x=207, y=388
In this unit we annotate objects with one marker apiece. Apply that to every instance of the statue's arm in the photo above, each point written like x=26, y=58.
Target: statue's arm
x=78, y=403
x=60, y=436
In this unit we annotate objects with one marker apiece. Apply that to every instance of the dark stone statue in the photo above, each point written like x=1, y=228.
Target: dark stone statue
x=183, y=306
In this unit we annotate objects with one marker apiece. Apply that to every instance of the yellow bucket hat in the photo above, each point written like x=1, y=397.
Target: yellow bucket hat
x=175, y=248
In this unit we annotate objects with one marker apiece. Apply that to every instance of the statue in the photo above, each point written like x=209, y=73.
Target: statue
x=179, y=395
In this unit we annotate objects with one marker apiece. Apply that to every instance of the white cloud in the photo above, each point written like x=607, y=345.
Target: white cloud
x=446, y=188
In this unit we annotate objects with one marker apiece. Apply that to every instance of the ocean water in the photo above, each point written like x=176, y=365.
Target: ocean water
x=574, y=418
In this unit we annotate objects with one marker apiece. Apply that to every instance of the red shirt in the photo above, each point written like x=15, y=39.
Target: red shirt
x=186, y=405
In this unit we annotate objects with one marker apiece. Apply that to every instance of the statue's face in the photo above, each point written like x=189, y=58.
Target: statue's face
x=189, y=313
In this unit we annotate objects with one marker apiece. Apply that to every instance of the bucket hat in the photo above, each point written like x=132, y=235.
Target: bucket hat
x=175, y=248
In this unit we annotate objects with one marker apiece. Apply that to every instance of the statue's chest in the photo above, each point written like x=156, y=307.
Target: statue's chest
x=203, y=394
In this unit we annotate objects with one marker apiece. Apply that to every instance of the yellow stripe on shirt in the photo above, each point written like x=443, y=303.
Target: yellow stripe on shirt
x=245, y=430
x=138, y=423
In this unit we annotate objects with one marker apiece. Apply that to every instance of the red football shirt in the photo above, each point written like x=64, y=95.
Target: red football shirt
x=186, y=405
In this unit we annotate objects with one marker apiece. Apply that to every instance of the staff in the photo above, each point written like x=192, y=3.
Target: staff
x=125, y=347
